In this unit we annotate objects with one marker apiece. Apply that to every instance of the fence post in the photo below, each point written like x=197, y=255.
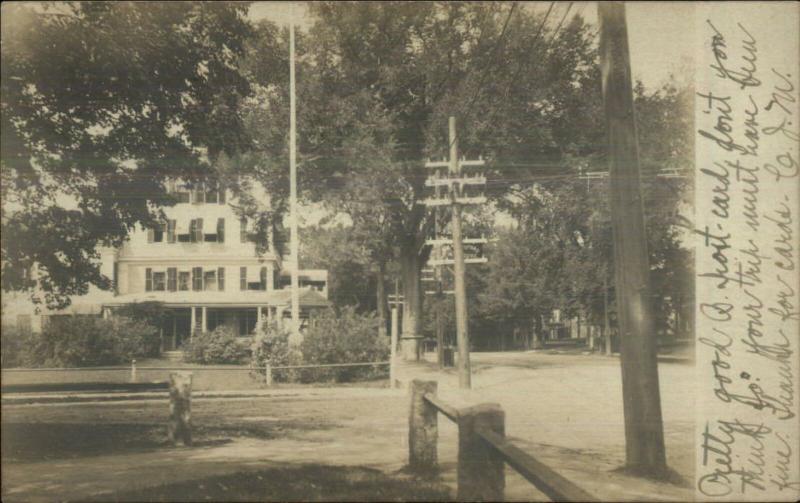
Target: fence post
x=133, y=370
x=180, y=408
x=481, y=475
x=268, y=375
x=422, y=427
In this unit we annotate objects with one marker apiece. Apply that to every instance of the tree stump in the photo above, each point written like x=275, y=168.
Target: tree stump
x=180, y=408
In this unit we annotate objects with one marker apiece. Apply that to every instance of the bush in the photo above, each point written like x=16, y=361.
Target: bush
x=150, y=313
x=87, y=341
x=16, y=343
x=344, y=337
x=219, y=346
x=271, y=345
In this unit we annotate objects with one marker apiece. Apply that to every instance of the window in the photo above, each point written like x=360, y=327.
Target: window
x=212, y=194
x=198, y=194
x=197, y=279
x=148, y=280
x=221, y=230
x=210, y=280
x=221, y=279
x=183, y=196
x=159, y=281
x=172, y=279
x=183, y=281
x=243, y=278
x=247, y=321
x=243, y=230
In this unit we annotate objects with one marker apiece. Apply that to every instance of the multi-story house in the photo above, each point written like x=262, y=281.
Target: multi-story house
x=202, y=266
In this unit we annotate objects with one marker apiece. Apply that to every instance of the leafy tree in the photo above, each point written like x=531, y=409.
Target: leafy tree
x=349, y=279
x=389, y=74
x=102, y=102
x=562, y=248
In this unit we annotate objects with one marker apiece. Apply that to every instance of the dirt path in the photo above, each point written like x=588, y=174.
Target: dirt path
x=566, y=413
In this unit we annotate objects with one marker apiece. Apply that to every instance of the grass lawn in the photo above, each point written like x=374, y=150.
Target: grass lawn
x=297, y=483
x=41, y=433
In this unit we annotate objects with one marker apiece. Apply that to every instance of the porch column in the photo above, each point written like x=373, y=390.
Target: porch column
x=270, y=278
x=106, y=313
x=205, y=319
x=259, y=321
x=194, y=323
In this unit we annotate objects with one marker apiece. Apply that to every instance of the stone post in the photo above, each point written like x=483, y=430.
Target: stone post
x=423, y=430
x=481, y=470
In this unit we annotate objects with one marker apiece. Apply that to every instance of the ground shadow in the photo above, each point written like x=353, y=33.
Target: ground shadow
x=25, y=442
x=294, y=482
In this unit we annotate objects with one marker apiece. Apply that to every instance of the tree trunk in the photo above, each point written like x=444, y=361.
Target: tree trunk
x=412, y=312
x=382, y=307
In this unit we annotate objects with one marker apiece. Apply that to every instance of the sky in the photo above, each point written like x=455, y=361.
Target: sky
x=660, y=34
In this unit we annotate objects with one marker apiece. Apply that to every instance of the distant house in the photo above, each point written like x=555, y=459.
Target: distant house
x=201, y=265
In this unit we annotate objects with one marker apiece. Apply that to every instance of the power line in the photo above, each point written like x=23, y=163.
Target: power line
x=555, y=33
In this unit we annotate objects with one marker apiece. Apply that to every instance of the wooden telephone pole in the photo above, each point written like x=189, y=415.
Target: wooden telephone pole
x=644, y=429
x=455, y=183
x=462, y=326
x=295, y=243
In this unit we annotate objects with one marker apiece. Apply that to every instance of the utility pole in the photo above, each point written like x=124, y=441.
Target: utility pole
x=455, y=183
x=295, y=241
x=644, y=429
x=606, y=322
x=462, y=325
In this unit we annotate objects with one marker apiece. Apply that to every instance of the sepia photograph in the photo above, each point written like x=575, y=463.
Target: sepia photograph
x=400, y=251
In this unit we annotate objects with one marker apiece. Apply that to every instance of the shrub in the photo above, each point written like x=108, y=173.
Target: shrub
x=16, y=343
x=271, y=345
x=218, y=346
x=344, y=337
x=86, y=341
x=149, y=313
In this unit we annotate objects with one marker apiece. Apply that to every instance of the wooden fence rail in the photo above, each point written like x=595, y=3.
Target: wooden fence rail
x=134, y=370
x=483, y=450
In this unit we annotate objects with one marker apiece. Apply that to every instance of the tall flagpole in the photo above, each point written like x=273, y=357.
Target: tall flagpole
x=295, y=240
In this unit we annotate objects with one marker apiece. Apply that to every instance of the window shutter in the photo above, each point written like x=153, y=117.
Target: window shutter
x=221, y=230
x=222, y=195
x=171, y=224
x=148, y=280
x=150, y=235
x=243, y=278
x=192, y=230
x=172, y=279
x=263, y=278
x=197, y=279
x=198, y=229
x=243, y=230
x=221, y=279
x=198, y=194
